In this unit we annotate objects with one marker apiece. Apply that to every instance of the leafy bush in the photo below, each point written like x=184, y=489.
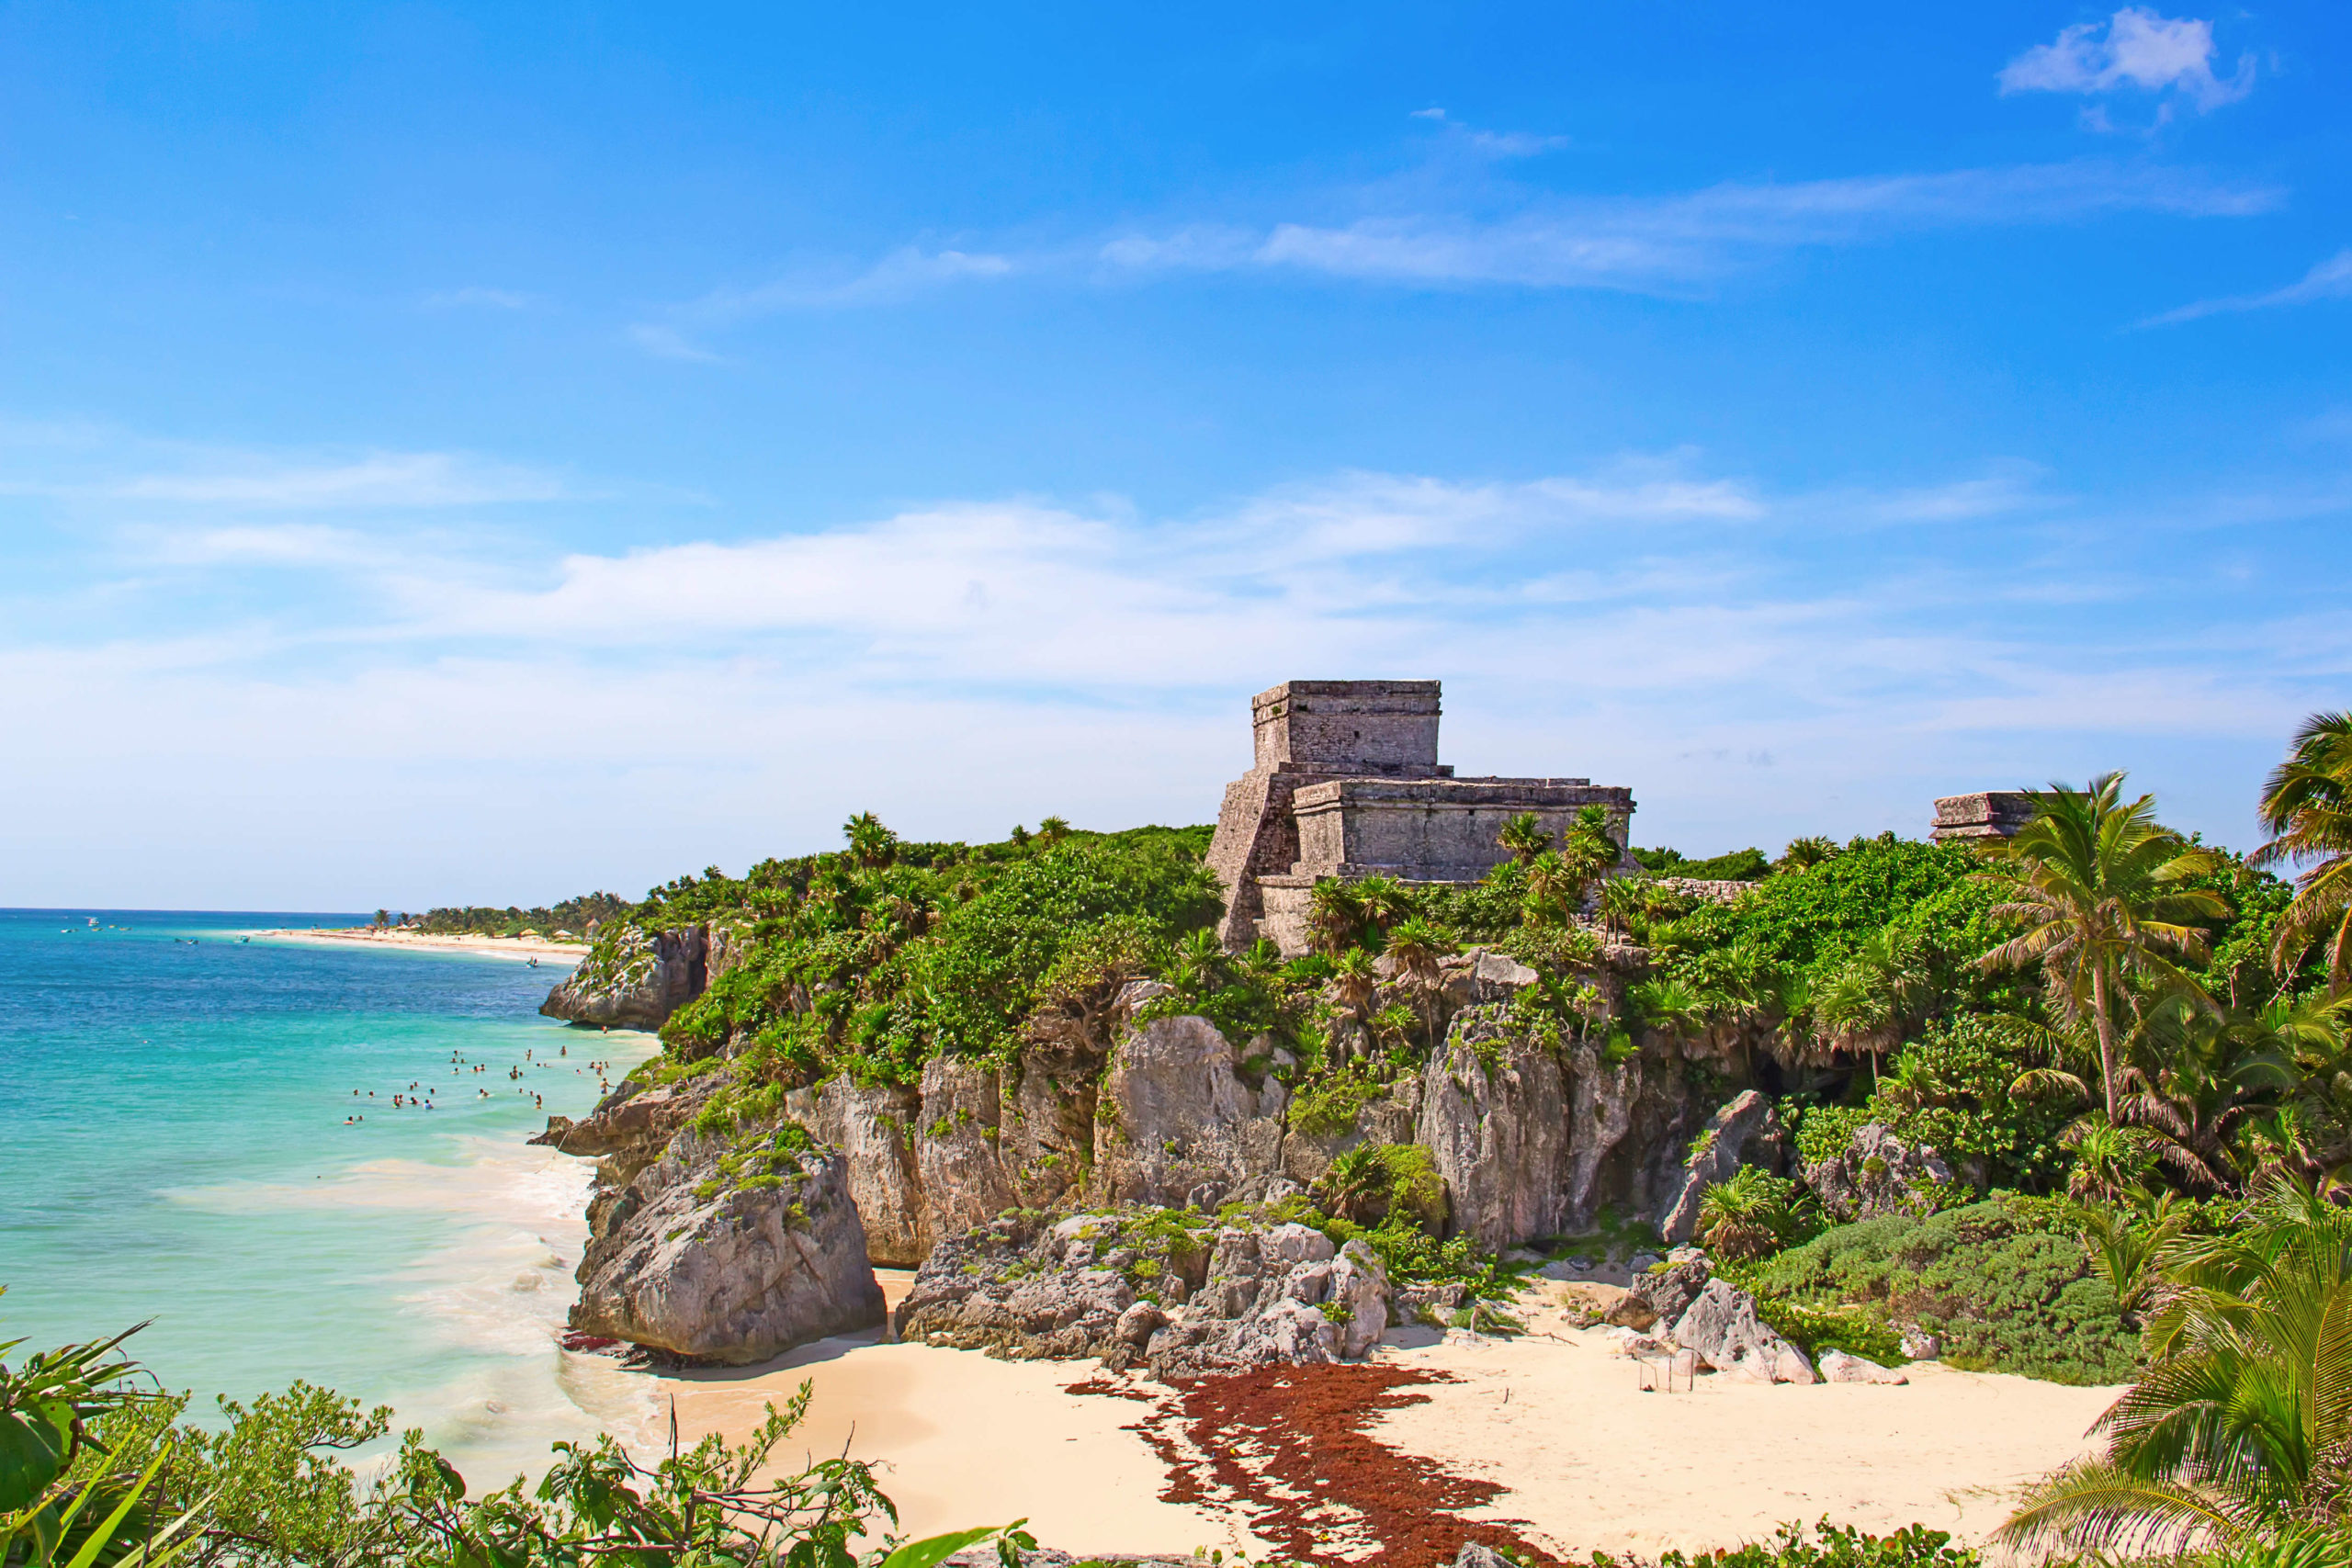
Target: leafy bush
x=2005, y=1284
x=1831, y=1546
x=1949, y=1089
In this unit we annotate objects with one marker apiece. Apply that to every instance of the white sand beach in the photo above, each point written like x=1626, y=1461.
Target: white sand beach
x=1588, y=1461
x=520, y=948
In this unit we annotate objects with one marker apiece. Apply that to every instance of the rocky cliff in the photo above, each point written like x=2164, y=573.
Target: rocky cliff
x=727, y=1250
x=633, y=978
x=1529, y=1134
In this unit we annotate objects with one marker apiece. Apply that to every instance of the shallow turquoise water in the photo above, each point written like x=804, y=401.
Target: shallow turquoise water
x=174, y=1147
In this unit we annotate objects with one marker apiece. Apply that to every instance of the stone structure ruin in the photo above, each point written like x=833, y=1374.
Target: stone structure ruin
x=1345, y=781
x=1988, y=814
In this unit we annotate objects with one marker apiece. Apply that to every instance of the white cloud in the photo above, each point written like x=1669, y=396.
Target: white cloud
x=1680, y=241
x=1419, y=232
x=2331, y=279
x=2137, y=50
x=382, y=480
x=964, y=665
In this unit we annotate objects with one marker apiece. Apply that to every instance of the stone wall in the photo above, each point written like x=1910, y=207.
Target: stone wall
x=1988, y=814
x=1348, y=725
x=1346, y=781
x=1435, y=829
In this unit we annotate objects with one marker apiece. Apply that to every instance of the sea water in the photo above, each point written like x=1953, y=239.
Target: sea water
x=197, y=1132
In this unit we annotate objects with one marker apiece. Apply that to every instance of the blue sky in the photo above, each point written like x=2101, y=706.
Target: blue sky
x=487, y=453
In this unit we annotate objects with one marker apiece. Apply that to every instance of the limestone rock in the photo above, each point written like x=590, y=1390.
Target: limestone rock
x=1661, y=1295
x=1837, y=1366
x=1276, y=1295
x=1023, y=1290
x=1720, y=1325
x=1473, y=1555
x=628, y=1129
x=1721, y=1149
x=1878, y=1174
x=1178, y=1123
x=692, y=1261
x=964, y=1182
x=1921, y=1346
x=1228, y=1298
x=874, y=1128
x=1499, y=1135
x=635, y=979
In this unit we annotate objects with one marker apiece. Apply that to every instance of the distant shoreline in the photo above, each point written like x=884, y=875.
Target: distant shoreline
x=518, y=948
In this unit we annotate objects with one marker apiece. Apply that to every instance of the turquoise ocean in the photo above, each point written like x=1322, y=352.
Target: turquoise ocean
x=174, y=1147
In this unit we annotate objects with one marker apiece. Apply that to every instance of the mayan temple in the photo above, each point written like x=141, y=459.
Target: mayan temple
x=1345, y=781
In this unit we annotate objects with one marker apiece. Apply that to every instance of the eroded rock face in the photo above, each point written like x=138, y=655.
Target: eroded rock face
x=637, y=979
x=873, y=1127
x=1720, y=1325
x=1747, y=1126
x=699, y=1262
x=1145, y=1285
x=1878, y=1174
x=1177, y=1122
x=1495, y=1116
x=628, y=1129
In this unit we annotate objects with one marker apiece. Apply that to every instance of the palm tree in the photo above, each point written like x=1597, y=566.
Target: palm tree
x=1747, y=1216
x=2128, y=1246
x=2100, y=886
x=1553, y=891
x=1334, y=917
x=1199, y=964
x=1385, y=901
x=2307, y=811
x=1353, y=981
x=1053, y=830
x=2241, y=1427
x=1870, y=1002
x=1416, y=945
x=1525, y=837
x=870, y=843
x=1623, y=901
x=1803, y=854
x=1355, y=1186
x=2110, y=1161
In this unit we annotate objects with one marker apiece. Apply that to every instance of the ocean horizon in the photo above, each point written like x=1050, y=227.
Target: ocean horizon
x=202, y=1137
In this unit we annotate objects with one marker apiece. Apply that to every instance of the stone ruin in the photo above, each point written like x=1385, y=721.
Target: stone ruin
x=1345, y=781
x=1988, y=814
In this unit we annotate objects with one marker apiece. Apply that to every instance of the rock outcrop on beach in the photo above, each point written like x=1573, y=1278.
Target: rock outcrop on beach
x=1747, y=1131
x=1529, y=1135
x=633, y=978
x=1878, y=1174
x=1722, y=1327
x=1157, y=1286
x=730, y=1251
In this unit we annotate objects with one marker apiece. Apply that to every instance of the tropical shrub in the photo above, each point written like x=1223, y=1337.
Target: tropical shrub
x=2005, y=1283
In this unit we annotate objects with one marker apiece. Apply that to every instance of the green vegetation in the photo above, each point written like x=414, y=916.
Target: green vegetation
x=93, y=1473
x=2239, y=1434
x=2005, y=1283
x=1826, y=1546
x=1753, y=1213
x=1739, y=865
x=573, y=917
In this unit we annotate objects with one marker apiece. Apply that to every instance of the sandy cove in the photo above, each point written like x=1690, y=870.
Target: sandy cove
x=1585, y=1461
x=418, y=941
